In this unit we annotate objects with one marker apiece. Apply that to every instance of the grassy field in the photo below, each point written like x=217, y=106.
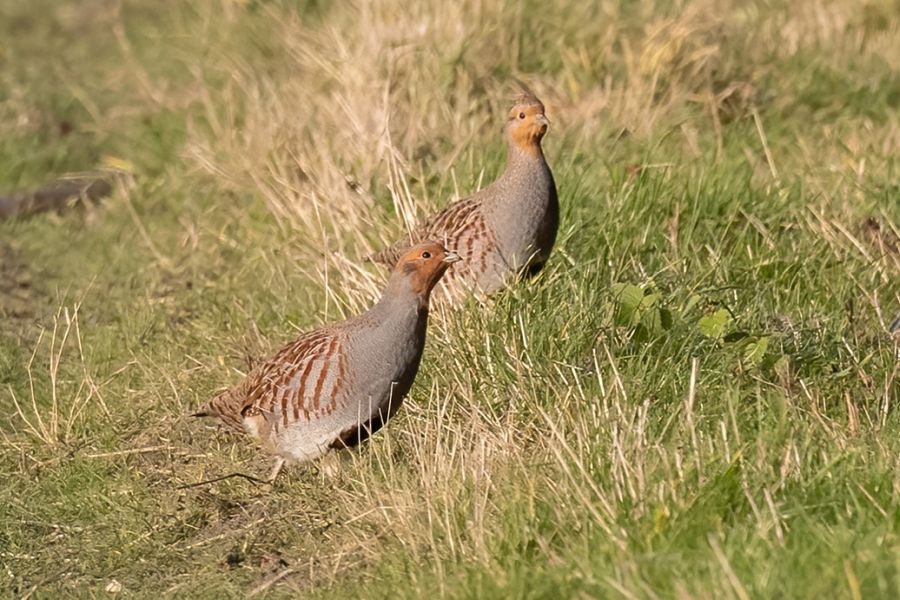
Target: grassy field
x=696, y=399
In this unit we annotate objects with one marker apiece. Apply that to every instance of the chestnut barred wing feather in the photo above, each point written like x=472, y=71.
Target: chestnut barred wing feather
x=304, y=382
x=446, y=227
x=459, y=216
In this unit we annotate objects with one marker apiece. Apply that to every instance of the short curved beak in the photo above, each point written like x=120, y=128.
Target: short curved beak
x=543, y=120
x=452, y=257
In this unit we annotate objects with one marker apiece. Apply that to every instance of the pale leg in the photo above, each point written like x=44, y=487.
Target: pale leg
x=330, y=464
x=276, y=469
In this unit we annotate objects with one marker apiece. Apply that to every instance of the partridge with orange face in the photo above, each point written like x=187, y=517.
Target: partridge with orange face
x=507, y=228
x=335, y=386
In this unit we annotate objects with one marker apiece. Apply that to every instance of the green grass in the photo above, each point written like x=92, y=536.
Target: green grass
x=696, y=399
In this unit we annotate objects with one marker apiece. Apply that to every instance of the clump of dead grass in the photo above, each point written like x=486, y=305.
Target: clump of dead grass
x=51, y=413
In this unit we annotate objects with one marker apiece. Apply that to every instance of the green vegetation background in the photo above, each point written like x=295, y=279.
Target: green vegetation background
x=696, y=399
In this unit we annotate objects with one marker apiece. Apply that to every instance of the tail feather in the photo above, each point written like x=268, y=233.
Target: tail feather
x=388, y=257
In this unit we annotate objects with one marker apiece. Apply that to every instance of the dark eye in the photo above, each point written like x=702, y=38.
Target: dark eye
x=426, y=254
x=521, y=115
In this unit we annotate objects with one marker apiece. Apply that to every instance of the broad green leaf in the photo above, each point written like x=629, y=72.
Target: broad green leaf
x=713, y=325
x=651, y=321
x=666, y=319
x=629, y=297
x=756, y=350
x=648, y=301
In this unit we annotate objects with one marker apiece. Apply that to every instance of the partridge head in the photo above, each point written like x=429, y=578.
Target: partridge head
x=419, y=270
x=527, y=124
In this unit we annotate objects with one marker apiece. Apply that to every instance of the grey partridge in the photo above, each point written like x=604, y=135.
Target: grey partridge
x=335, y=386
x=506, y=229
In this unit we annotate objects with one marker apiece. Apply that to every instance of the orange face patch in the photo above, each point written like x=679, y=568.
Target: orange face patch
x=527, y=124
x=424, y=264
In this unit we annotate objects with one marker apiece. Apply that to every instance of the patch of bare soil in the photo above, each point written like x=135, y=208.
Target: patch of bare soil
x=882, y=235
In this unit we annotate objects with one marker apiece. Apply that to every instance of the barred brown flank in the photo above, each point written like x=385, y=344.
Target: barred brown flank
x=323, y=375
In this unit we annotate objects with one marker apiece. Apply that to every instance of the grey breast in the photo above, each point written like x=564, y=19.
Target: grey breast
x=386, y=357
x=526, y=219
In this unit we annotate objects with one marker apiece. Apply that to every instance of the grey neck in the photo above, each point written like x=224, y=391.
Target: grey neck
x=521, y=161
x=398, y=300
